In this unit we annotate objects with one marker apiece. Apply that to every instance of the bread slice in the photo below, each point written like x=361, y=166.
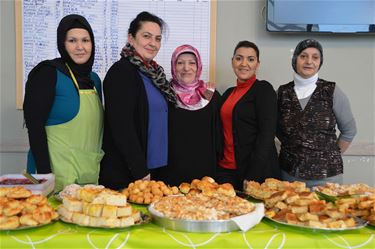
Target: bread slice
x=109, y=211
x=81, y=219
x=281, y=205
x=307, y=217
x=124, y=211
x=136, y=215
x=303, y=201
x=64, y=212
x=325, y=219
x=317, y=206
x=95, y=221
x=88, y=194
x=109, y=222
x=95, y=210
x=334, y=213
x=127, y=221
x=296, y=209
x=72, y=204
x=292, y=198
x=291, y=218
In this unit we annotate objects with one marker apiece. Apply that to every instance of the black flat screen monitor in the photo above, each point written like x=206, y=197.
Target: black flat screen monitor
x=321, y=16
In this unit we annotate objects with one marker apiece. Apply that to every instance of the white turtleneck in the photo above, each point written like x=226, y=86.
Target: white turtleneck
x=304, y=87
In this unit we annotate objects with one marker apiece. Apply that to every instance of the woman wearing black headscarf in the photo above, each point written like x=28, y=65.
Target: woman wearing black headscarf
x=63, y=110
x=309, y=109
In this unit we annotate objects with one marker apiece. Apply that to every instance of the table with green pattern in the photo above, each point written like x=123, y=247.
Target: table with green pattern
x=267, y=234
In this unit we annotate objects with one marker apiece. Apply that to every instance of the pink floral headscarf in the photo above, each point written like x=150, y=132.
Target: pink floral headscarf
x=195, y=95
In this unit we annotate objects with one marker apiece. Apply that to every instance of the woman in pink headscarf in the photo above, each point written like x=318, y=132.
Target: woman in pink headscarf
x=193, y=140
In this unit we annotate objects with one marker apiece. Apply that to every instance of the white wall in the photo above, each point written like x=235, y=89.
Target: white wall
x=348, y=59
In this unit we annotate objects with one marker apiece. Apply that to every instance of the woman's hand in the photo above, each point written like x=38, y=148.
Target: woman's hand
x=209, y=90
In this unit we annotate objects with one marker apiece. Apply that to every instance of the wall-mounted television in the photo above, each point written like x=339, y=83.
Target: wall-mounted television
x=322, y=16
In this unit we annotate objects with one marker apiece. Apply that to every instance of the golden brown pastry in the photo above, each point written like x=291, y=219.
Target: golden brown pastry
x=27, y=220
x=208, y=179
x=184, y=187
x=12, y=207
x=9, y=222
x=94, y=210
x=42, y=217
x=19, y=192
x=226, y=189
x=4, y=192
x=37, y=200
x=109, y=211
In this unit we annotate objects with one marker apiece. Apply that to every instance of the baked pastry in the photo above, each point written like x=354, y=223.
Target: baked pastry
x=146, y=192
x=27, y=220
x=88, y=194
x=127, y=221
x=65, y=213
x=19, y=192
x=24, y=210
x=109, y=211
x=202, y=207
x=124, y=211
x=72, y=204
x=37, y=199
x=42, y=217
x=92, y=208
x=9, y=222
x=12, y=207
x=109, y=222
x=226, y=189
x=208, y=179
x=4, y=192
x=81, y=219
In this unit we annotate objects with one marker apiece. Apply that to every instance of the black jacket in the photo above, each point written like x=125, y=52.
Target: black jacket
x=125, y=126
x=254, y=128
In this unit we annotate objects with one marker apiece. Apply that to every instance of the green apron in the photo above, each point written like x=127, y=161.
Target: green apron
x=75, y=146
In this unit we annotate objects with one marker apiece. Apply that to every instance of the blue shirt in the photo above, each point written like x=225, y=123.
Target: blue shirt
x=157, y=133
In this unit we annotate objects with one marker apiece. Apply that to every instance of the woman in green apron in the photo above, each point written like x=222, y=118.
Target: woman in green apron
x=63, y=110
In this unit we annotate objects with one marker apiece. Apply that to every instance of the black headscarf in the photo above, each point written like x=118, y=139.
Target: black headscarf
x=302, y=45
x=80, y=71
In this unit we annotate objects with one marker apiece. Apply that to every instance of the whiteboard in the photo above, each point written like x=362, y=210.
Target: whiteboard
x=188, y=22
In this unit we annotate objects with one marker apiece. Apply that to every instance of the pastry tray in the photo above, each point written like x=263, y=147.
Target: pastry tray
x=43, y=188
x=201, y=226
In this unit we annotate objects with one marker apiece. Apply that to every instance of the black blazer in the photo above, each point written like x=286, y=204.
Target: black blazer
x=254, y=128
x=125, y=126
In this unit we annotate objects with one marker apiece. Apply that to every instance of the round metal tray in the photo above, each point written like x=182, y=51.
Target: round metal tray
x=197, y=226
